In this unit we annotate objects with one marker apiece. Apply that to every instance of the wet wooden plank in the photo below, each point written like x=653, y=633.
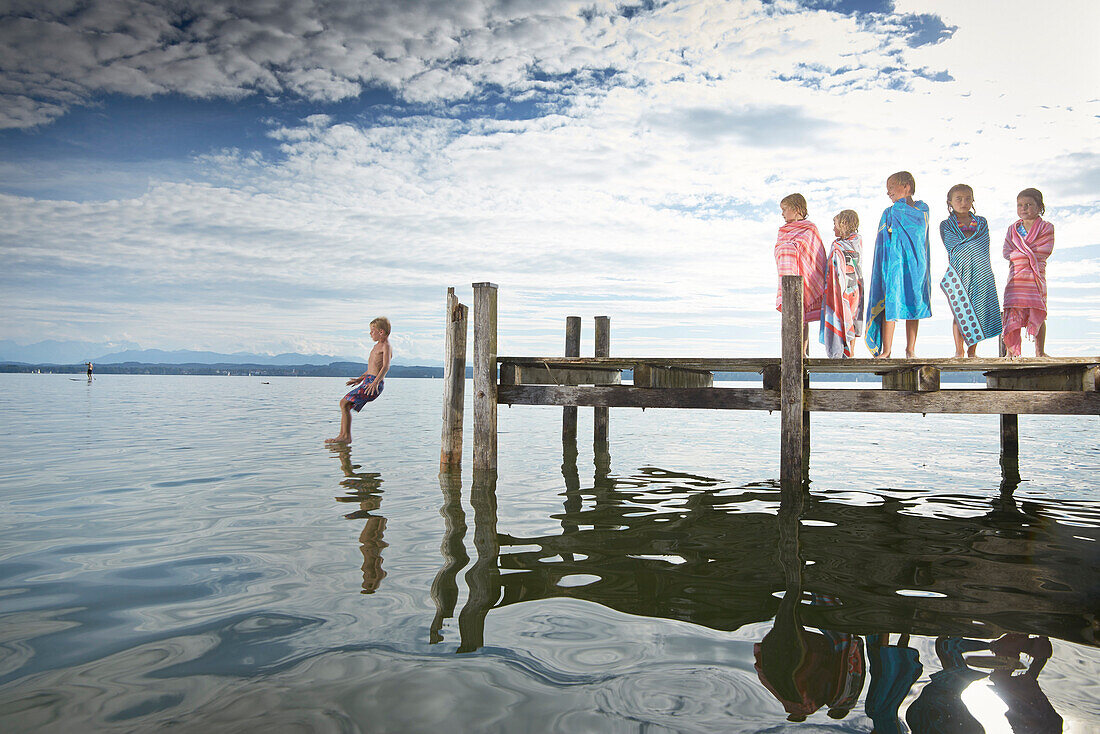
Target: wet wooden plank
x=627, y=396
x=654, y=376
x=976, y=402
x=514, y=374
x=918, y=379
x=1070, y=377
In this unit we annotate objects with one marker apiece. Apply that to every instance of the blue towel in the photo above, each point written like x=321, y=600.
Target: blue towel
x=968, y=284
x=900, y=286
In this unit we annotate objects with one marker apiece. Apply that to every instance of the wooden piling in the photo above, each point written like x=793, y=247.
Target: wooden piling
x=454, y=383
x=485, y=377
x=572, y=349
x=792, y=395
x=603, y=349
x=1010, y=436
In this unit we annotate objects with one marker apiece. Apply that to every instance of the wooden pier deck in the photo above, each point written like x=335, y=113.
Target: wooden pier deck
x=1021, y=386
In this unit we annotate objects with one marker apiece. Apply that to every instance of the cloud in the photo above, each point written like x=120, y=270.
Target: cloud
x=58, y=54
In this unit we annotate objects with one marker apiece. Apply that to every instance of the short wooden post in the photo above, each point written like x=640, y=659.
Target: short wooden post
x=1010, y=437
x=454, y=383
x=792, y=397
x=572, y=349
x=485, y=377
x=603, y=349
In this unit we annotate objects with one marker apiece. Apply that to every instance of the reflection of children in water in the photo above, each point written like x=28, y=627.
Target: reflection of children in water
x=894, y=669
x=1029, y=710
x=940, y=708
x=364, y=488
x=807, y=670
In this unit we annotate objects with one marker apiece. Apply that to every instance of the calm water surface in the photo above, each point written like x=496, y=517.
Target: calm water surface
x=185, y=552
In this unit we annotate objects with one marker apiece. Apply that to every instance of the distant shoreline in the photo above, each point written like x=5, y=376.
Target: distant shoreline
x=354, y=369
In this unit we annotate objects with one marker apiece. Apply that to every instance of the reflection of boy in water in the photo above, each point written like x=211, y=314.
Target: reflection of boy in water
x=365, y=488
x=807, y=670
x=894, y=669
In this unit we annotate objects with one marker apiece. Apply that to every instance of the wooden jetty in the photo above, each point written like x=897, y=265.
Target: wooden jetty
x=1020, y=386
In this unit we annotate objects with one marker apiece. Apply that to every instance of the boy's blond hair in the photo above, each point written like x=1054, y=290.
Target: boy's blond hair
x=797, y=202
x=382, y=323
x=847, y=222
x=904, y=178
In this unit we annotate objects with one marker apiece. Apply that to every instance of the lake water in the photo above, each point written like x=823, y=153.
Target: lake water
x=185, y=552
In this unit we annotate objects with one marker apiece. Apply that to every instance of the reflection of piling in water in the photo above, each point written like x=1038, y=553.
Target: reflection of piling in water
x=483, y=578
x=571, y=475
x=453, y=549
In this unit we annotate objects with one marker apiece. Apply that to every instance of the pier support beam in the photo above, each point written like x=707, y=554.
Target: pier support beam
x=792, y=393
x=1010, y=438
x=572, y=349
x=603, y=349
x=454, y=383
x=485, y=377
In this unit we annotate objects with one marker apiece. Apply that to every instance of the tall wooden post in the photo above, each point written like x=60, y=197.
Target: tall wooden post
x=792, y=395
x=603, y=349
x=454, y=383
x=572, y=349
x=1010, y=437
x=485, y=377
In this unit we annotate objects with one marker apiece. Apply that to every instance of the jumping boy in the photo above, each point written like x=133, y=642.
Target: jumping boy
x=378, y=363
x=900, y=285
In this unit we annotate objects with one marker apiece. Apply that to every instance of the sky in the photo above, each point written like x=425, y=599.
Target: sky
x=269, y=175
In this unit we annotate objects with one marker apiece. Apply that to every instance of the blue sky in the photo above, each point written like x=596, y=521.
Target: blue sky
x=268, y=176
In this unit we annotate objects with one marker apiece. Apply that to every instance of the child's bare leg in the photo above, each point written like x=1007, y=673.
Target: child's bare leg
x=887, y=339
x=805, y=340
x=1041, y=341
x=911, y=326
x=960, y=345
x=345, y=423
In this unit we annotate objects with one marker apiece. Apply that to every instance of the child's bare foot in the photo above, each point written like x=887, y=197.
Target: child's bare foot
x=959, y=355
x=910, y=355
x=1041, y=354
x=338, y=439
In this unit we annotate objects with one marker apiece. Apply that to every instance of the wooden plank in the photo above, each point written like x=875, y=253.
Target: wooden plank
x=454, y=382
x=772, y=377
x=976, y=402
x=600, y=415
x=572, y=349
x=862, y=366
x=627, y=396
x=485, y=378
x=1073, y=377
x=917, y=379
x=646, y=375
x=514, y=374
x=792, y=374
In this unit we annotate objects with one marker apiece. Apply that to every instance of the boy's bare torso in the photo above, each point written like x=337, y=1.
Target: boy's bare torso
x=377, y=355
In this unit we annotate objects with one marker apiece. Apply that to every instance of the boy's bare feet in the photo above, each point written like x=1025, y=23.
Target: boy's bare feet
x=338, y=439
x=882, y=355
x=1041, y=354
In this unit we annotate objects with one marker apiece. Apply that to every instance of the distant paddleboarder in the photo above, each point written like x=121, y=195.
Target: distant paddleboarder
x=89, y=366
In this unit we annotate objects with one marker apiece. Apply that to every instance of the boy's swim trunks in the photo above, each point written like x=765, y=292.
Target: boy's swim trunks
x=359, y=397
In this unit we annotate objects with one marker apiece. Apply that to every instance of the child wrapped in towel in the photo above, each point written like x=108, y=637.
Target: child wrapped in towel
x=800, y=251
x=968, y=284
x=900, y=286
x=1028, y=244
x=842, y=303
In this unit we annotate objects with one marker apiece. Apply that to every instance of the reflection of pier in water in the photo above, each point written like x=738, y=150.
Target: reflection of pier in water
x=677, y=546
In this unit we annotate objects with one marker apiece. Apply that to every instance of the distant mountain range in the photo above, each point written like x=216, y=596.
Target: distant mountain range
x=74, y=352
